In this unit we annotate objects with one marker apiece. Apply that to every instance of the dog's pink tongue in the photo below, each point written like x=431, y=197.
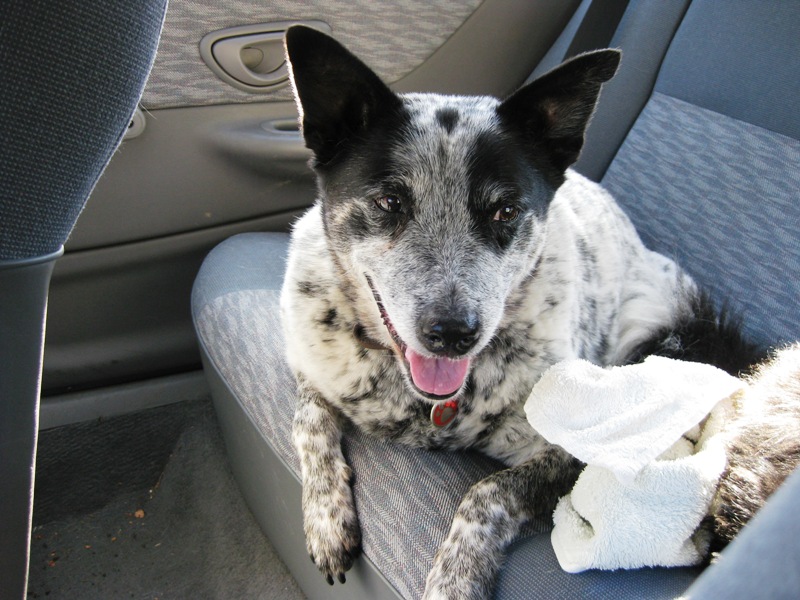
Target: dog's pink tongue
x=437, y=376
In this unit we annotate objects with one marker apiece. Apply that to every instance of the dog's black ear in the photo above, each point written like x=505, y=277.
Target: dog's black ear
x=553, y=111
x=338, y=96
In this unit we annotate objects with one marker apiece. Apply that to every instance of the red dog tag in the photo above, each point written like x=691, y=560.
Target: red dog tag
x=444, y=412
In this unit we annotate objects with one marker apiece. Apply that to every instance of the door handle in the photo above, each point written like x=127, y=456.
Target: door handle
x=255, y=60
x=251, y=57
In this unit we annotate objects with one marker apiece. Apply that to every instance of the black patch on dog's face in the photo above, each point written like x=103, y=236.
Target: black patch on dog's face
x=362, y=174
x=501, y=178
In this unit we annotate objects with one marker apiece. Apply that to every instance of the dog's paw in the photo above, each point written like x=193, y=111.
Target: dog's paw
x=333, y=536
x=465, y=564
x=468, y=560
x=333, y=544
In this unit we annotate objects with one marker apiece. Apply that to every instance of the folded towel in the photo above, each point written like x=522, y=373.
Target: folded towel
x=622, y=418
x=646, y=487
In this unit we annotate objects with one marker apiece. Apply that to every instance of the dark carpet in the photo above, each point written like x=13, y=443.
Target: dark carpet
x=145, y=506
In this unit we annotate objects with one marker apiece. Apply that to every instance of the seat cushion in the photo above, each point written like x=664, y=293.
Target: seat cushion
x=406, y=498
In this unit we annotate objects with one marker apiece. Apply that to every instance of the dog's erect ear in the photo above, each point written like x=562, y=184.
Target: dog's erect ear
x=338, y=96
x=553, y=111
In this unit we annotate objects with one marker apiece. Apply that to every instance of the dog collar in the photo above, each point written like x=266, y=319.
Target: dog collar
x=443, y=413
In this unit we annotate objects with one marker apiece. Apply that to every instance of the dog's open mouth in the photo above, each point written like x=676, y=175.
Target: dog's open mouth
x=437, y=378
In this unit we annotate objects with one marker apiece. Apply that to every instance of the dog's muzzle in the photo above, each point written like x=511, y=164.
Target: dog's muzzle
x=441, y=376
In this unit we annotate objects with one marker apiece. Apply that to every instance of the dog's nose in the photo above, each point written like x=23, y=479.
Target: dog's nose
x=454, y=334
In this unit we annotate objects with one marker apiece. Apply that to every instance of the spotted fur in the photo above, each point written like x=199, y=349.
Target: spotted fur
x=764, y=444
x=458, y=210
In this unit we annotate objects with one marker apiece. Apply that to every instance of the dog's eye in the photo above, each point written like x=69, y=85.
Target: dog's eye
x=390, y=204
x=506, y=214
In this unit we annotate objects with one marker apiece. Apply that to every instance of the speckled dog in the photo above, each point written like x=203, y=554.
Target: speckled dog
x=450, y=233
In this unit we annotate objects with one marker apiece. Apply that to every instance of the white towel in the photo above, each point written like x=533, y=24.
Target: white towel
x=645, y=488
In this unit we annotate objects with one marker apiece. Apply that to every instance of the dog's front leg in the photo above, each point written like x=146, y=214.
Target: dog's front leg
x=333, y=536
x=489, y=518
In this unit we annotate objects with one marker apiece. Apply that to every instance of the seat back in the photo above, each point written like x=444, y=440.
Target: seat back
x=71, y=74
x=710, y=169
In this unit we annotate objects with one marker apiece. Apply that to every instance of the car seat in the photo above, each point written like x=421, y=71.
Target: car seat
x=71, y=74
x=697, y=137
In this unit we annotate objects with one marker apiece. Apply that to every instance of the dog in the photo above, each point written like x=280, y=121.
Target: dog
x=452, y=256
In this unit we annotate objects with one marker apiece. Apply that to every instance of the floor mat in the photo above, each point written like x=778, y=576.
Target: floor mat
x=81, y=468
x=185, y=534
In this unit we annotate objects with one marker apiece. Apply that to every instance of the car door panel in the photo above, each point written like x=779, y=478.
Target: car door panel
x=397, y=36
x=214, y=160
x=117, y=313
x=196, y=168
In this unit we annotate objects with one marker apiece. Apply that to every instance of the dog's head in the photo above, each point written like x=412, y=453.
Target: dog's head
x=436, y=205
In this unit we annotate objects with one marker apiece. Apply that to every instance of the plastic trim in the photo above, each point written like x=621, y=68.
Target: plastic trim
x=114, y=401
x=21, y=263
x=23, y=305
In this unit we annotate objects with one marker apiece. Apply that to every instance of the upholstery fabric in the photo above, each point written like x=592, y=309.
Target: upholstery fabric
x=531, y=571
x=393, y=37
x=644, y=34
x=243, y=333
x=68, y=93
x=720, y=196
x=751, y=74
x=710, y=170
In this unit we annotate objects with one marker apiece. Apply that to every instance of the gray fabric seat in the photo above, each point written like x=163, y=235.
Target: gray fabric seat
x=700, y=153
x=406, y=498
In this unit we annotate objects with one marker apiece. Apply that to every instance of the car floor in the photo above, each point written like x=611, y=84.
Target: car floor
x=145, y=506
